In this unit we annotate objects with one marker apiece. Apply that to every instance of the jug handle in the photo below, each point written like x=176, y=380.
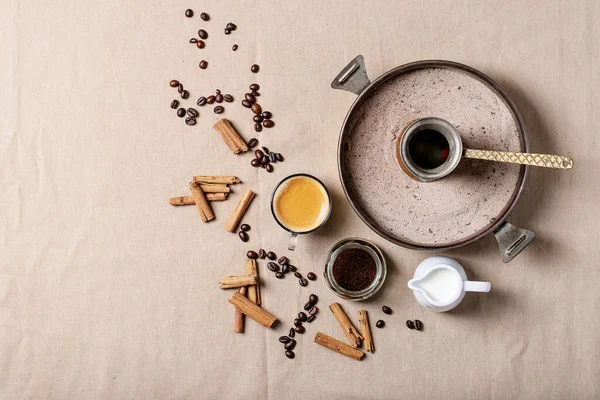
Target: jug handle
x=477, y=286
x=353, y=77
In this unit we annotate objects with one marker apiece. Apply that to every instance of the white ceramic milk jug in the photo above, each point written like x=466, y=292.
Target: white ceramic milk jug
x=440, y=283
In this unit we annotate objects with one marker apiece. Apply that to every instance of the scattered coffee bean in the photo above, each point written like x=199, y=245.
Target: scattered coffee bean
x=410, y=324
x=313, y=310
x=267, y=115
x=234, y=47
x=303, y=282
x=179, y=88
x=203, y=64
x=271, y=255
x=190, y=121
x=255, y=163
x=246, y=103
x=255, y=68
x=302, y=316
x=174, y=83
x=297, y=274
x=272, y=266
x=189, y=13
x=284, y=339
x=210, y=99
x=255, y=93
x=231, y=26
x=279, y=157
x=313, y=299
x=297, y=322
x=290, y=354
x=243, y=236
x=181, y=112
x=256, y=109
x=254, y=87
x=258, y=127
x=202, y=34
x=308, y=306
x=293, y=268
x=300, y=329
x=218, y=91
x=174, y=104
x=192, y=112
x=290, y=345
x=386, y=310
x=201, y=101
x=251, y=254
x=193, y=40
x=219, y=98
x=380, y=324
x=285, y=269
x=227, y=31
x=185, y=94
x=204, y=16
x=228, y=98
x=269, y=168
x=252, y=142
x=273, y=157
x=250, y=98
x=257, y=119
x=279, y=275
x=268, y=123
x=265, y=160
x=312, y=276
x=258, y=154
x=292, y=333
x=219, y=109
x=200, y=44
x=245, y=227
x=283, y=259
x=311, y=318
x=265, y=150
x=418, y=325
x=262, y=254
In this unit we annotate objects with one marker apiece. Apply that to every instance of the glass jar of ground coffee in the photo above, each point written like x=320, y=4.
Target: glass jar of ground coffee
x=355, y=269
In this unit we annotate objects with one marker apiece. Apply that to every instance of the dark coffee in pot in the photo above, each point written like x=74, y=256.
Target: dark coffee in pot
x=428, y=148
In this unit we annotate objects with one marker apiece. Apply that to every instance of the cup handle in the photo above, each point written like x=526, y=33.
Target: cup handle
x=292, y=242
x=476, y=286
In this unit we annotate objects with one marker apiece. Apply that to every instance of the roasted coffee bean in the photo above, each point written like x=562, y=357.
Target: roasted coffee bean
x=297, y=274
x=302, y=316
x=192, y=112
x=219, y=109
x=300, y=329
x=181, y=112
x=218, y=91
x=256, y=109
x=174, y=83
x=254, y=87
x=185, y=94
x=268, y=123
x=308, y=306
x=255, y=93
x=257, y=118
x=258, y=154
x=265, y=160
x=279, y=275
x=234, y=47
x=179, y=88
x=273, y=157
x=202, y=34
x=174, y=104
x=219, y=98
x=418, y=325
x=250, y=98
x=380, y=324
x=265, y=150
x=272, y=266
x=245, y=227
x=284, y=339
x=313, y=310
x=255, y=68
x=203, y=64
x=243, y=236
x=252, y=142
x=312, y=276
x=285, y=269
x=386, y=310
x=292, y=268
x=204, y=16
x=228, y=98
x=290, y=354
x=193, y=40
x=410, y=324
x=258, y=127
x=200, y=44
x=231, y=26
x=303, y=282
x=267, y=115
x=262, y=254
x=255, y=163
x=190, y=121
x=269, y=168
x=313, y=299
x=210, y=99
x=311, y=318
x=279, y=157
x=189, y=13
x=271, y=255
x=297, y=322
x=201, y=101
x=246, y=103
x=290, y=345
x=292, y=333
x=283, y=259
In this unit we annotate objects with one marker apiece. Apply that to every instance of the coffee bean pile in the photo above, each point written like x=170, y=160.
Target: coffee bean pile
x=219, y=98
x=265, y=159
x=261, y=118
x=243, y=233
x=202, y=36
x=288, y=341
x=192, y=114
x=280, y=268
x=416, y=324
x=182, y=92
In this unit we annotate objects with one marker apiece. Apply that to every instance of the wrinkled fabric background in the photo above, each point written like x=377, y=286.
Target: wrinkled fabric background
x=108, y=292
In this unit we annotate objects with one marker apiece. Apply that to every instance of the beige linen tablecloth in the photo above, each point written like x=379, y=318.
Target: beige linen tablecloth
x=108, y=292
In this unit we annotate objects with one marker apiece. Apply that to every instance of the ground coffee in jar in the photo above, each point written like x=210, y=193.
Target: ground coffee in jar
x=354, y=269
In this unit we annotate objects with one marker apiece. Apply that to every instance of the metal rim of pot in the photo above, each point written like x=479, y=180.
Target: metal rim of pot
x=353, y=78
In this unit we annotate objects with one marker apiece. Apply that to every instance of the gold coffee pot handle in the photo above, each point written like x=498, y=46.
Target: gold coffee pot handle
x=537, y=160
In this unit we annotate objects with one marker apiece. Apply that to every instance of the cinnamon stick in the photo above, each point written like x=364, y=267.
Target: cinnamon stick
x=230, y=282
x=226, y=180
x=253, y=291
x=214, y=188
x=338, y=347
x=350, y=331
x=189, y=200
x=240, y=209
x=252, y=310
x=238, y=322
x=206, y=213
x=363, y=320
x=230, y=136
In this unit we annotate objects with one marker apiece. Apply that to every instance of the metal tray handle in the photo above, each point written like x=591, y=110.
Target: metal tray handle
x=512, y=240
x=353, y=77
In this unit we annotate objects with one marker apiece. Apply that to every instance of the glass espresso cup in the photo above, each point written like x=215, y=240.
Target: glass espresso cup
x=300, y=204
